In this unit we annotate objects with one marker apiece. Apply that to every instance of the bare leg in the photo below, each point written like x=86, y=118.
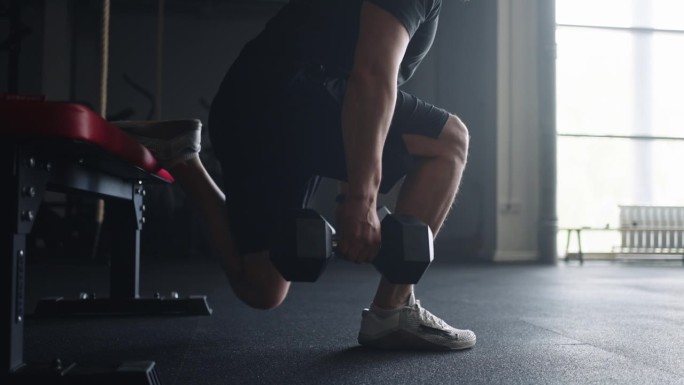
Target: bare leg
x=253, y=277
x=428, y=191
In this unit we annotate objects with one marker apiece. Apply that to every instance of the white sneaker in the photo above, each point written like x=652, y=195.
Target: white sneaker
x=410, y=327
x=170, y=141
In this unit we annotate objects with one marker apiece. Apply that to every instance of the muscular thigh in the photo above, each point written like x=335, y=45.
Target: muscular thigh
x=413, y=119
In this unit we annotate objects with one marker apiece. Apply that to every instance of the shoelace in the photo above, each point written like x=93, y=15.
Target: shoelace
x=426, y=315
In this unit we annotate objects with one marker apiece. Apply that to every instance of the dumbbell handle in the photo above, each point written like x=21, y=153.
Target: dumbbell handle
x=382, y=213
x=396, y=263
x=335, y=243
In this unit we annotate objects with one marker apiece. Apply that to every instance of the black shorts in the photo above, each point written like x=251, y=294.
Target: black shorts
x=276, y=130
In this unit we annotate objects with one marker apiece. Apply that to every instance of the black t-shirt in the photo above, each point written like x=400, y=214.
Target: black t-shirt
x=326, y=31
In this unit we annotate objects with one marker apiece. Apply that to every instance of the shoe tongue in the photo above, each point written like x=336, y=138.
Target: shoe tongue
x=411, y=299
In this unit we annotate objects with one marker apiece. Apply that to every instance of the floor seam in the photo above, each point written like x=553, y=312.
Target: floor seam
x=618, y=353
x=193, y=341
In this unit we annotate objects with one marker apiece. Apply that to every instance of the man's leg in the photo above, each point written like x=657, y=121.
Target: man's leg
x=428, y=190
x=253, y=277
x=395, y=319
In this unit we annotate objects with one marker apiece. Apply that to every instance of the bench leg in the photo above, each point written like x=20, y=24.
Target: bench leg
x=580, y=253
x=125, y=260
x=25, y=178
x=13, y=271
x=126, y=210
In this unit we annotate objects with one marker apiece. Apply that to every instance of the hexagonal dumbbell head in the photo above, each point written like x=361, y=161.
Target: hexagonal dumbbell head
x=407, y=249
x=303, y=246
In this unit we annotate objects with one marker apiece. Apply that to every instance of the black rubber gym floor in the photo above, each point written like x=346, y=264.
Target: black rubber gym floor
x=601, y=323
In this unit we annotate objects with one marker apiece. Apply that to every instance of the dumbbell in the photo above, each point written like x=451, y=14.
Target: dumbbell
x=305, y=243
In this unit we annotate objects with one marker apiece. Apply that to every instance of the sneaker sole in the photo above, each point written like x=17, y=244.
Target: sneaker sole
x=402, y=340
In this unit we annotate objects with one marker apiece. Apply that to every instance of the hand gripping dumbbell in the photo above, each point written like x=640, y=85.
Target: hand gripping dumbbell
x=306, y=242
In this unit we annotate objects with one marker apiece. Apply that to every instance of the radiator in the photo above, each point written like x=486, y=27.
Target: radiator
x=651, y=229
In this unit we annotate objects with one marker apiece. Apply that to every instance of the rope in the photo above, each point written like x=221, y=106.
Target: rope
x=104, y=68
x=160, y=46
x=104, y=74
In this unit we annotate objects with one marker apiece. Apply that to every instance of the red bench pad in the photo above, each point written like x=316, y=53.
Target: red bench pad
x=59, y=120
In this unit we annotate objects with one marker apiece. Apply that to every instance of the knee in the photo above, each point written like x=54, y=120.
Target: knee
x=455, y=139
x=264, y=301
x=259, y=285
x=262, y=298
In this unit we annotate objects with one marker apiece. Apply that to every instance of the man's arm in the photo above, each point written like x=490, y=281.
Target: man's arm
x=366, y=115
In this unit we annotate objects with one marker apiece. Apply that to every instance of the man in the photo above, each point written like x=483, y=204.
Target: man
x=316, y=94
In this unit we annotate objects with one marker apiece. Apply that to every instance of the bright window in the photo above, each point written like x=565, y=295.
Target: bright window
x=620, y=110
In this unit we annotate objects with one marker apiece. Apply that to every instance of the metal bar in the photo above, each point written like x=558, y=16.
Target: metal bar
x=125, y=258
x=633, y=137
x=623, y=29
x=25, y=179
x=11, y=244
x=73, y=176
x=580, y=253
x=57, y=306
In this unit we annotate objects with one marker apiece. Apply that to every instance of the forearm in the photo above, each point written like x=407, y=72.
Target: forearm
x=366, y=116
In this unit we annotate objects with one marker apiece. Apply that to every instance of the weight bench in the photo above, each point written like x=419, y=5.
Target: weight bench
x=646, y=232
x=67, y=147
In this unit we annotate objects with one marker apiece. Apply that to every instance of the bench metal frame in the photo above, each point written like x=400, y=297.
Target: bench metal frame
x=28, y=169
